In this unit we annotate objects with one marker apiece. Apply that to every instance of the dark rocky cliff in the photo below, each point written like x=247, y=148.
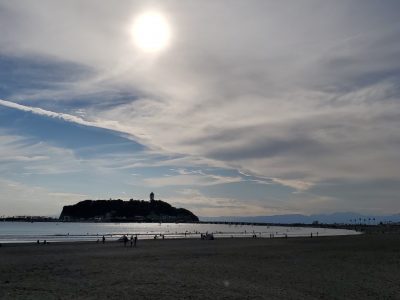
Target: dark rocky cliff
x=126, y=211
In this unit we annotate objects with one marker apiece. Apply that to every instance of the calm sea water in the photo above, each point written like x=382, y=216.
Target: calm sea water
x=22, y=232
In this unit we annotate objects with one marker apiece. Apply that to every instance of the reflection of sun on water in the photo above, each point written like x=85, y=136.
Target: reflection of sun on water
x=151, y=32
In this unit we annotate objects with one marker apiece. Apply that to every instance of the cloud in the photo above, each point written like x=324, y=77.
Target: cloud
x=296, y=184
x=28, y=156
x=19, y=199
x=105, y=124
x=43, y=112
x=191, y=178
x=22, y=155
x=202, y=205
x=297, y=94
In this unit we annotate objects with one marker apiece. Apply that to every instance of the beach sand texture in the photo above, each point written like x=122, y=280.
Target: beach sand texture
x=343, y=267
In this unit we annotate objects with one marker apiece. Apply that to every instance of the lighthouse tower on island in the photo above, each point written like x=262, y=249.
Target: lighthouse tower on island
x=151, y=196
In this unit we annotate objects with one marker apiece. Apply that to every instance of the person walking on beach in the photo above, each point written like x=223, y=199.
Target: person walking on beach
x=103, y=239
x=134, y=241
x=125, y=239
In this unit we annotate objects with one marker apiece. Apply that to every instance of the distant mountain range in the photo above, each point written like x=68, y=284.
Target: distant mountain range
x=341, y=217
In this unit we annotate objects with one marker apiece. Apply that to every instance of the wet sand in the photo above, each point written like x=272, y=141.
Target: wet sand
x=346, y=267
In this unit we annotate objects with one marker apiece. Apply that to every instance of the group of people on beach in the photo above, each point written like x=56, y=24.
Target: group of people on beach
x=124, y=239
x=161, y=235
x=133, y=240
x=44, y=242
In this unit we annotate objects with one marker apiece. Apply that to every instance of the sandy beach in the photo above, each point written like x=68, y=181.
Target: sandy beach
x=346, y=267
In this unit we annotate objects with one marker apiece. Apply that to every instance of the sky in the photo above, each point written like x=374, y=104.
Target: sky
x=251, y=107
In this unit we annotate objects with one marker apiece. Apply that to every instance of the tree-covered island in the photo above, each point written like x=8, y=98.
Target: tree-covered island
x=126, y=211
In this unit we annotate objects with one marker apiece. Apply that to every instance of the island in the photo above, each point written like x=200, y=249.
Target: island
x=126, y=211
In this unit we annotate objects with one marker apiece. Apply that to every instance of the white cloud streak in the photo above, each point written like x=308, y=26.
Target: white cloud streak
x=47, y=113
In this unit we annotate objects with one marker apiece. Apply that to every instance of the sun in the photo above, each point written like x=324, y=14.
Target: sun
x=151, y=32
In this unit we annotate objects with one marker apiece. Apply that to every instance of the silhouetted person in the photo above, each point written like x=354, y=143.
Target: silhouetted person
x=38, y=242
x=135, y=241
x=103, y=239
x=125, y=239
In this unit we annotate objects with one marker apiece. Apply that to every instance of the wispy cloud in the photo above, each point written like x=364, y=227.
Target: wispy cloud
x=190, y=180
x=221, y=206
x=18, y=199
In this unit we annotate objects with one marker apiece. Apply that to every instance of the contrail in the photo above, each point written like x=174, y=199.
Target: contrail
x=115, y=126
x=52, y=114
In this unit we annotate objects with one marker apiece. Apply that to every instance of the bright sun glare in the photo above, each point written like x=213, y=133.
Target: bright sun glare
x=151, y=32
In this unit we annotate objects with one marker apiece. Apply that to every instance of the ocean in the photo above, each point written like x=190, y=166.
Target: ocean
x=26, y=232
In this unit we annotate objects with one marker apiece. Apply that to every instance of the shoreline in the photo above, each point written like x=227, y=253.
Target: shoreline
x=122, y=221
x=18, y=232
x=159, y=236
x=116, y=241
